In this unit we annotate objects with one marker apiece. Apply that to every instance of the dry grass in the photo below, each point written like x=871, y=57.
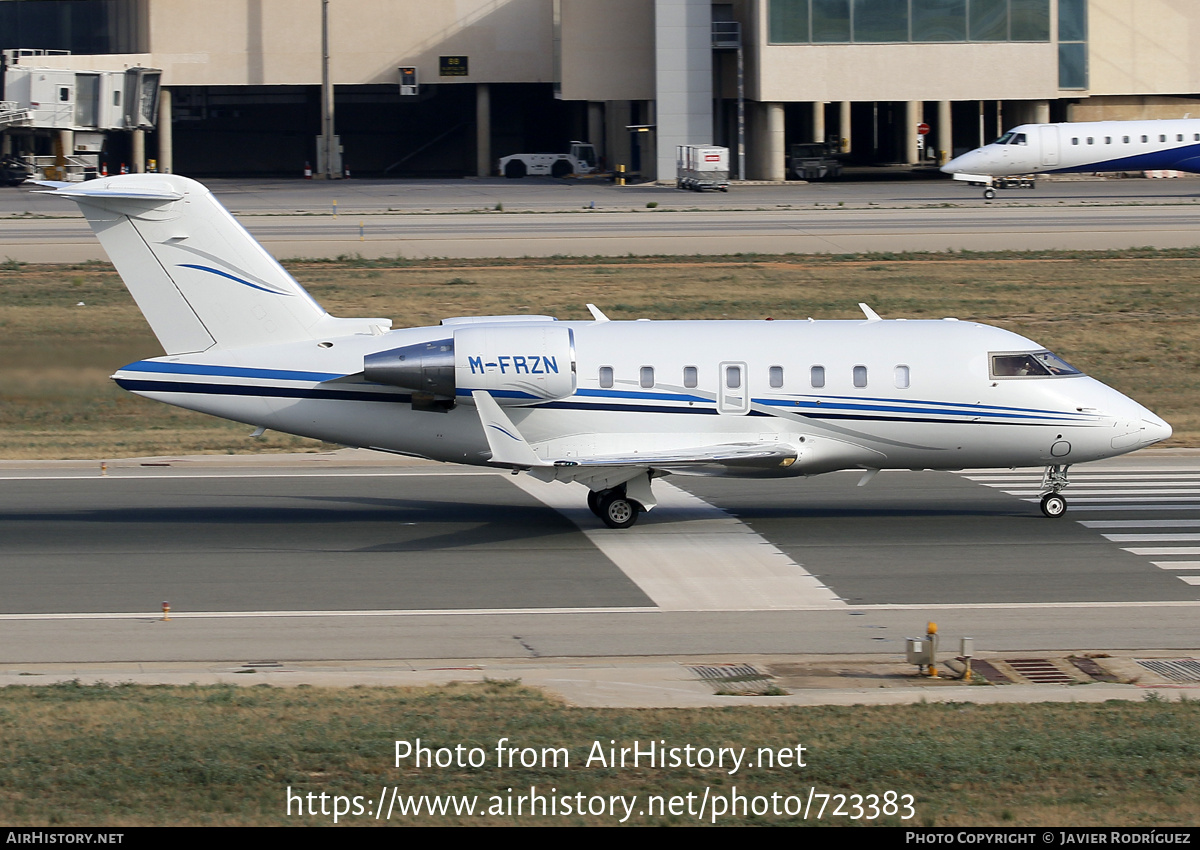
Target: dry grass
x=226, y=755
x=1128, y=319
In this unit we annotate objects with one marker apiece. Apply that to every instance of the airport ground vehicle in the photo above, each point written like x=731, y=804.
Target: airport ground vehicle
x=813, y=161
x=580, y=160
x=700, y=167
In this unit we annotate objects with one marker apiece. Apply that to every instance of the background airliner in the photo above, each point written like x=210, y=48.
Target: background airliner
x=1082, y=147
x=611, y=405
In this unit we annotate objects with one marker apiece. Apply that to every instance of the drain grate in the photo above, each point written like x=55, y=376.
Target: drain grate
x=1177, y=670
x=735, y=678
x=1091, y=669
x=1040, y=671
x=989, y=672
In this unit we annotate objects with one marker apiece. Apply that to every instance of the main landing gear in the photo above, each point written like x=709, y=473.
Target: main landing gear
x=1054, y=481
x=614, y=507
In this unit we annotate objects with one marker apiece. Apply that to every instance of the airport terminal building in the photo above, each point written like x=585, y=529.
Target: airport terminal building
x=414, y=88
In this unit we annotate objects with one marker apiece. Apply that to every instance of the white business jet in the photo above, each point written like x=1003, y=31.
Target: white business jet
x=611, y=405
x=1082, y=147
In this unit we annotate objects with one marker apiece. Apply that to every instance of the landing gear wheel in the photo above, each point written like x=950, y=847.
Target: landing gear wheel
x=618, y=511
x=989, y=193
x=593, y=500
x=1053, y=505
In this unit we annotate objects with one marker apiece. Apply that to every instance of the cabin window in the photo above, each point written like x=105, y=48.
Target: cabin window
x=817, y=377
x=901, y=377
x=1162, y=138
x=1125, y=139
x=733, y=377
x=860, y=376
x=776, y=377
x=1031, y=364
x=690, y=377
x=1090, y=140
x=606, y=377
x=1075, y=141
x=646, y=379
x=1145, y=139
x=1196, y=137
x=1108, y=140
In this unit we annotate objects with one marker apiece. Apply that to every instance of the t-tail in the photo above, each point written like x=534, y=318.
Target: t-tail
x=199, y=278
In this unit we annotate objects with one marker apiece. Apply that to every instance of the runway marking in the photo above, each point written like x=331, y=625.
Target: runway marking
x=688, y=555
x=1141, y=523
x=1102, y=492
x=114, y=475
x=523, y=612
x=398, y=612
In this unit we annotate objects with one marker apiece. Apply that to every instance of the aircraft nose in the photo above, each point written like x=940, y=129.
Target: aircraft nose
x=964, y=162
x=1154, y=430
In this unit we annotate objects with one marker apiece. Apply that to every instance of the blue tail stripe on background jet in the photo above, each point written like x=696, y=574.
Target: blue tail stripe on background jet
x=611, y=405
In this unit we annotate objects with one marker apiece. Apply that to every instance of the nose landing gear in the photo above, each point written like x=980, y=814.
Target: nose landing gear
x=1054, y=481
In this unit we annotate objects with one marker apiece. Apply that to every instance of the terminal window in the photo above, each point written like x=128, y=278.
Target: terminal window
x=890, y=21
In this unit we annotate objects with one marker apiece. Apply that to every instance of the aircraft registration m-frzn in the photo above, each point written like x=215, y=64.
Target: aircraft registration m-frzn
x=1089, y=147
x=612, y=405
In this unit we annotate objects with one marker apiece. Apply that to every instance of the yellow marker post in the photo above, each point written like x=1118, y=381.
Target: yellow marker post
x=931, y=636
x=166, y=611
x=335, y=208
x=620, y=175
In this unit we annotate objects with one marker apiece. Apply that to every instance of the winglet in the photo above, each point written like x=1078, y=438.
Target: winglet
x=597, y=314
x=508, y=447
x=871, y=315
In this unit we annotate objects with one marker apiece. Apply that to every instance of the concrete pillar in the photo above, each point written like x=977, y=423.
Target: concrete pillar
x=683, y=81
x=818, y=121
x=912, y=117
x=844, y=125
x=166, y=135
x=483, y=130
x=945, y=133
x=138, y=166
x=774, y=151
x=616, y=136
x=595, y=127
x=1041, y=112
x=5, y=144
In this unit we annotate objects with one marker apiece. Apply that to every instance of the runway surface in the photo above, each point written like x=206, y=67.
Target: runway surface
x=326, y=560
x=558, y=221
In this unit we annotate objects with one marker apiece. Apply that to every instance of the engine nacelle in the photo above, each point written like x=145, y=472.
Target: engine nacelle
x=518, y=365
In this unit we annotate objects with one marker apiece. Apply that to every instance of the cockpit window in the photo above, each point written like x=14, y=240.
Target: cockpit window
x=1031, y=364
x=1005, y=139
x=1018, y=139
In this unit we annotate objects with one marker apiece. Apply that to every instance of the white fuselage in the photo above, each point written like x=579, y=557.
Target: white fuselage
x=866, y=394
x=1085, y=147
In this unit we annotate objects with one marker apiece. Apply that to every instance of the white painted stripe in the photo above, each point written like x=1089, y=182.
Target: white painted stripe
x=1164, y=550
x=166, y=474
x=995, y=480
x=687, y=555
x=1083, y=491
x=524, y=612
x=1181, y=501
x=428, y=612
x=1190, y=579
x=1098, y=509
x=1152, y=538
x=1177, y=565
x=1141, y=523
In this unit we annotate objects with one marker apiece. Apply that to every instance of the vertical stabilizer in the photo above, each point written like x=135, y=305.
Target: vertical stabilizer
x=199, y=278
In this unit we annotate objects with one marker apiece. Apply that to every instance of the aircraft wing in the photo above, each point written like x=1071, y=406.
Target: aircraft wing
x=510, y=449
